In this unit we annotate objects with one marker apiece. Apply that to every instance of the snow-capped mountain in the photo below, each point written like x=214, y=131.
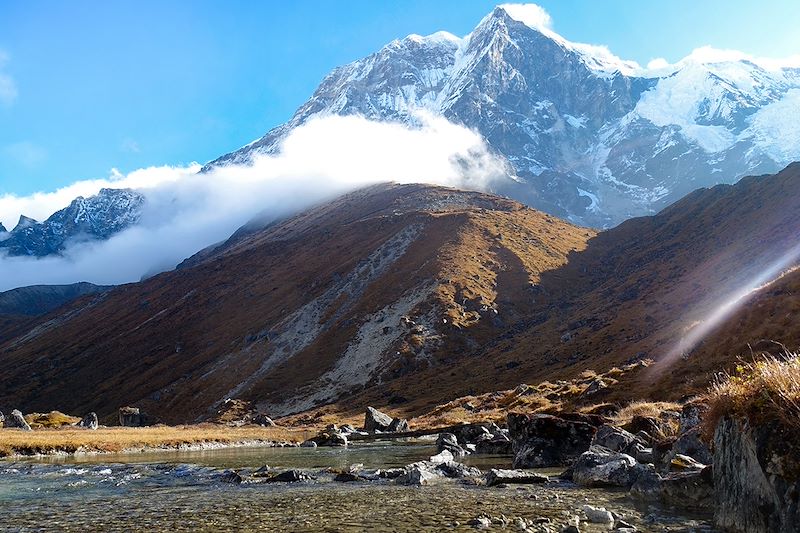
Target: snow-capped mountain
x=590, y=137
x=95, y=218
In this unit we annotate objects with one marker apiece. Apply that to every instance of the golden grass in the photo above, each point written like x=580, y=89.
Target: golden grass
x=669, y=426
x=53, y=419
x=118, y=439
x=764, y=390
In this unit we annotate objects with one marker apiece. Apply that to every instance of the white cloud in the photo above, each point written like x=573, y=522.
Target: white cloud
x=531, y=15
x=186, y=211
x=658, y=63
x=708, y=55
x=8, y=88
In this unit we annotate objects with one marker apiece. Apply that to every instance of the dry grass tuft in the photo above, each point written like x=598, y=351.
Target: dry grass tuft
x=656, y=410
x=763, y=391
x=53, y=419
x=119, y=439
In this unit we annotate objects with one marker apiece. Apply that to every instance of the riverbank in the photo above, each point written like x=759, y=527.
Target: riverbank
x=75, y=441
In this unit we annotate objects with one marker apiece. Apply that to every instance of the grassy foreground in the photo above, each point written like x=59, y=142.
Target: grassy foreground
x=764, y=390
x=120, y=439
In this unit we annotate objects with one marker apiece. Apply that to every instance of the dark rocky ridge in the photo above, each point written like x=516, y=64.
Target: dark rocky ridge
x=40, y=299
x=95, y=218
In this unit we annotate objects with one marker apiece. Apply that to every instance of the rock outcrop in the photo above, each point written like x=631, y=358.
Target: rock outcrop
x=599, y=467
x=133, y=417
x=756, y=477
x=375, y=420
x=540, y=441
x=331, y=436
x=89, y=421
x=17, y=421
x=689, y=490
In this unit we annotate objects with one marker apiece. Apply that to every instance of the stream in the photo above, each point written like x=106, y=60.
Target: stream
x=183, y=491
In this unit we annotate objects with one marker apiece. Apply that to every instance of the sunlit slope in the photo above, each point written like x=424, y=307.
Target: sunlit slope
x=369, y=289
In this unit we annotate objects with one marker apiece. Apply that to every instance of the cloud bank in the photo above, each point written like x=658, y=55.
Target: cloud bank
x=187, y=211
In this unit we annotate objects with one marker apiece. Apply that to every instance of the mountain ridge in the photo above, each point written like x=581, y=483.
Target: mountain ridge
x=97, y=217
x=591, y=143
x=412, y=295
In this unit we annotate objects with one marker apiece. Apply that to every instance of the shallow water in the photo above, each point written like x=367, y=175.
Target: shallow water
x=182, y=491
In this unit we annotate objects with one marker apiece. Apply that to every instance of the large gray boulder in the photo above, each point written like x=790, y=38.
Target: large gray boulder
x=756, y=477
x=472, y=433
x=603, y=468
x=374, y=420
x=690, y=490
x=426, y=472
x=500, y=444
x=89, y=421
x=540, y=441
x=17, y=421
x=133, y=417
x=617, y=440
x=448, y=442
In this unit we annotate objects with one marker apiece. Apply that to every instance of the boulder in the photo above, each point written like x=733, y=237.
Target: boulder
x=391, y=473
x=89, y=421
x=17, y=421
x=347, y=477
x=331, y=436
x=540, y=441
x=756, y=477
x=231, y=476
x=374, y=420
x=472, y=433
x=399, y=425
x=689, y=443
x=421, y=473
x=597, y=515
x=497, y=476
x=616, y=439
x=310, y=443
x=2, y=419
x=441, y=457
x=425, y=472
x=261, y=419
x=604, y=468
x=690, y=490
x=682, y=463
x=133, y=417
x=289, y=476
x=262, y=471
x=448, y=442
x=498, y=445
x=597, y=385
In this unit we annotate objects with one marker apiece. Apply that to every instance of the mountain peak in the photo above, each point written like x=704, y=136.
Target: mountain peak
x=590, y=136
x=24, y=222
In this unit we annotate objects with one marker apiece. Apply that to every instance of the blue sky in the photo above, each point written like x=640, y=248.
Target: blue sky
x=88, y=86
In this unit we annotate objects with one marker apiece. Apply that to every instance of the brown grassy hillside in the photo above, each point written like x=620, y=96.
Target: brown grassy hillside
x=409, y=296
x=368, y=289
